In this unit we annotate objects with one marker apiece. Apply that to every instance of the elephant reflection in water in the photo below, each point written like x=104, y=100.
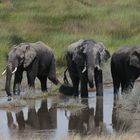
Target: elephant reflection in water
x=33, y=118
x=44, y=118
x=47, y=117
x=120, y=123
x=87, y=122
x=10, y=121
x=19, y=118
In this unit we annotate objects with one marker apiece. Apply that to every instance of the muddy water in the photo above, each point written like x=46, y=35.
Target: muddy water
x=45, y=120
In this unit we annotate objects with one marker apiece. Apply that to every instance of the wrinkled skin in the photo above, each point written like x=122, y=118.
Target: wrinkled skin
x=125, y=68
x=37, y=60
x=84, y=61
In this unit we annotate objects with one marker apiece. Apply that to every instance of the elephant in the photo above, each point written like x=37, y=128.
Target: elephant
x=125, y=68
x=37, y=59
x=85, y=59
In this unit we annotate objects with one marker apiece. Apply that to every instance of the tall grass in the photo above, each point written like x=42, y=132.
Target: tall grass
x=61, y=22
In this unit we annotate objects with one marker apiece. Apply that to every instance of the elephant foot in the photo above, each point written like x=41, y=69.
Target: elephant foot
x=91, y=85
x=16, y=93
x=44, y=91
x=76, y=94
x=9, y=98
x=84, y=95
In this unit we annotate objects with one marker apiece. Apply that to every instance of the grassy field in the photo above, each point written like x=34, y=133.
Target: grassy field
x=61, y=22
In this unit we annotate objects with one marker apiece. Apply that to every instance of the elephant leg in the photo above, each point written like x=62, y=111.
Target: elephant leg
x=128, y=87
x=73, y=75
x=17, y=82
x=32, y=73
x=116, y=85
x=31, y=80
x=84, y=88
x=43, y=81
x=99, y=82
x=75, y=81
x=122, y=86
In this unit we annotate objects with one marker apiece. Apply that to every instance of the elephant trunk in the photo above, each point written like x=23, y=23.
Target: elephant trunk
x=8, y=79
x=9, y=71
x=90, y=72
x=90, y=69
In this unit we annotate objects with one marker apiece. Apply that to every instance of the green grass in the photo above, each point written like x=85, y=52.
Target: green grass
x=61, y=22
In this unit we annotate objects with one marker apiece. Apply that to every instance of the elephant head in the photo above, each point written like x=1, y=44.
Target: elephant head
x=21, y=55
x=94, y=56
x=134, y=57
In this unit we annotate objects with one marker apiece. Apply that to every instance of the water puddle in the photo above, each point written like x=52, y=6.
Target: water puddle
x=45, y=120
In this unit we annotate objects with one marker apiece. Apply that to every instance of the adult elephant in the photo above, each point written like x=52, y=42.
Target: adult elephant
x=84, y=61
x=36, y=59
x=125, y=68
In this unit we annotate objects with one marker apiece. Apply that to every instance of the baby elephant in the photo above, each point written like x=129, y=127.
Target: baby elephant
x=125, y=68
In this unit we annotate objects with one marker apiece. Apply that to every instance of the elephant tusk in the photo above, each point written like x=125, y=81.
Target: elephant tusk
x=4, y=72
x=84, y=70
x=14, y=70
x=98, y=67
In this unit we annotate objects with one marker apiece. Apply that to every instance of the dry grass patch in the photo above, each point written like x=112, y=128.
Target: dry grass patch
x=12, y=104
x=127, y=111
x=33, y=96
x=111, y=137
x=78, y=137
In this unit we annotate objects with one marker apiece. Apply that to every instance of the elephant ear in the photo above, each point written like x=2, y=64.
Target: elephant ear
x=134, y=60
x=107, y=55
x=104, y=53
x=30, y=55
x=75, y=48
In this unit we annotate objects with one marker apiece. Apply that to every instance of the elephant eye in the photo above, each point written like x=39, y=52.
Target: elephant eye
x=20, y=58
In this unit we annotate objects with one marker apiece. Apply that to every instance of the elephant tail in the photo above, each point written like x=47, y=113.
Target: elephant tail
x=66, y=88
x=65, y=79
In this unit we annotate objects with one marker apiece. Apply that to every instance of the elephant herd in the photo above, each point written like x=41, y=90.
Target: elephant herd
x=85, y=59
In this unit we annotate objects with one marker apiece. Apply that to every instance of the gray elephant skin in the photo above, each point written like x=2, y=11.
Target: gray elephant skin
x=85, y=59
x=125, y=68
x=36, y=59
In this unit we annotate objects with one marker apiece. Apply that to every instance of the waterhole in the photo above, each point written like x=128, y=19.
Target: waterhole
x=57, y=117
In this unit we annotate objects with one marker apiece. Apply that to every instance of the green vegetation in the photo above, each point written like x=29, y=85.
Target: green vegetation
x=61, y=22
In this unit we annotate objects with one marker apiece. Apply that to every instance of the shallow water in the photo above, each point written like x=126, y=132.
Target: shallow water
x=43, y=119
